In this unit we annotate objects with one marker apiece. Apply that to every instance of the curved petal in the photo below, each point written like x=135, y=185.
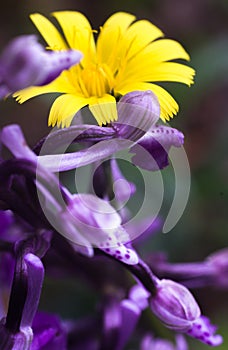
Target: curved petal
x=166, y=50
x=64, y=109
x=49, y=32
x=78, y=32
x=163, y=71
x=168, y=105
x=138, y=36
x=103, y=109
x=111, y=34
x=61, y=85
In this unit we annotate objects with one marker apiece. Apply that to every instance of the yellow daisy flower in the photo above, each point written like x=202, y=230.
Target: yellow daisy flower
x=125, y=57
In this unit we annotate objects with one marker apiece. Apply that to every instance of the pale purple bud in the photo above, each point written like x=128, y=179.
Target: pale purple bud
x=145, y=99
x=24, y=62
x=174, y=305
x=138, y=111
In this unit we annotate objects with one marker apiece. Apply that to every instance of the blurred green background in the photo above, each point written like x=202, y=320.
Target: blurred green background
x=202, y=27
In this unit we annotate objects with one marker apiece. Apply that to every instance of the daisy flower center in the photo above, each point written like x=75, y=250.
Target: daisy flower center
x=96, y=80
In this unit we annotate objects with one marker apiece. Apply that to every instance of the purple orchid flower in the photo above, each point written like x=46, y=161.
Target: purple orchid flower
x=24, y=62
x=136, y=130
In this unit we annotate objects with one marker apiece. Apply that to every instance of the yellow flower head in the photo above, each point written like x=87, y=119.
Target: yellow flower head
x=127, y=56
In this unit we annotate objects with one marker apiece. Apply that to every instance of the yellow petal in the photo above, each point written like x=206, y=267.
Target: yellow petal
x=50, y=34
x=138, y=36
x=64, y=109
x=168, y=105
x=165, y=50
x=109, y=39
x=164, y=71
x=103, y=109
x=62, y=85
x=78, y=32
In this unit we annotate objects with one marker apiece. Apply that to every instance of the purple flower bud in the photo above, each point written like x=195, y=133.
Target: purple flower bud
x=24, y=62
x=138, y=111
x=174, y=305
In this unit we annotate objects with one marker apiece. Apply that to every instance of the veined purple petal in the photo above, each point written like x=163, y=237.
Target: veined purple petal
x=62, y=138
x=152, y=150
x=97, y=152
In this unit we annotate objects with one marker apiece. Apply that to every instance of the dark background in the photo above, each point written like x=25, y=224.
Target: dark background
x=202, y=27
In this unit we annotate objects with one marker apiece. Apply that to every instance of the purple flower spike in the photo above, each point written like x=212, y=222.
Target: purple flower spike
x=24, y=62
x=175, y=306
x=204, y=331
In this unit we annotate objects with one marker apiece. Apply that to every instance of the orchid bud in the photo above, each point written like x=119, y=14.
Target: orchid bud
x=24, y=62
x=138, y=111
x=174, y=305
